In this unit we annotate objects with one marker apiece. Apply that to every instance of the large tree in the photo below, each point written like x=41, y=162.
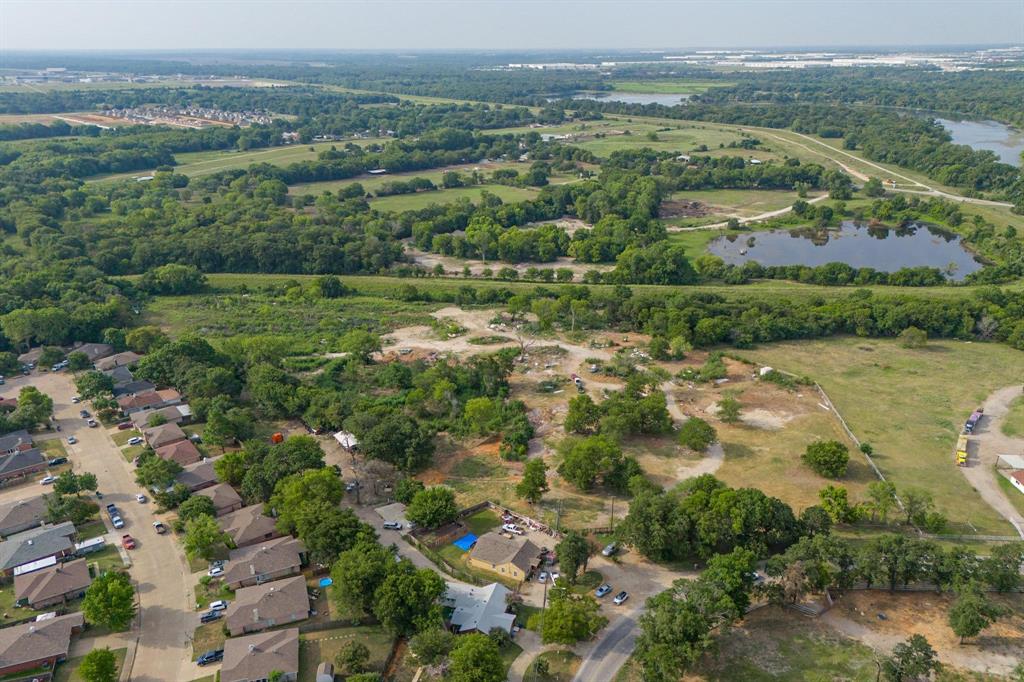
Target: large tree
x=914, y=659
x=534, y=482
x=99, y=665
x=202, y=537
x=972, y=612
x=299, y=495
x=432, y=507
x=573, y=554
x=110, y=601
x=475, y=658
x=358, y=573
x=570, y=617
x=828, y=458
x=407, y=601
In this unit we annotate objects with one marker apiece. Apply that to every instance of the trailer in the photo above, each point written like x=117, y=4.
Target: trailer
x=974, y=420
x=961, y=451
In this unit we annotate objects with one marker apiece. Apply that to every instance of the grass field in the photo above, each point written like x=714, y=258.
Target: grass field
x=670, y=87
x=371, y=183
x=1013, y=424
x=412, y=202
x=1015, y=497
x=907, y=404
x=740, y=202
x=682, y=139
x=68, y=670
x=561, y=664
x=207, y=637
x=316, y=647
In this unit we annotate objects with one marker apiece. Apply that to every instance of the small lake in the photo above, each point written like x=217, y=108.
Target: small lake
x=1006, y=142
x=859, y=246
x=669, y=100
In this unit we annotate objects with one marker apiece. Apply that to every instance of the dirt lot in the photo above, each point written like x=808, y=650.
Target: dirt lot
x=682, y=209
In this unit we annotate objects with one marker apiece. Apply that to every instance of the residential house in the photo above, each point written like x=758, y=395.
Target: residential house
x=479, y=609
x=264, y=606
x=14, y=441
x=184, y=452
x=21, y=515
x=54, y=585
x=197, y=476
x=32, y=356
x=254, y=657
x=171, y=414
x=22, y=463
x=271, y=560
x=8, y=404
x=511, y=557
x=120, y=375
x=1017, y=480
x=165, y=434
x=225, y=499
x=40, y=643
x=37, y=543
x=249, y=525
x=149, y=400
x=129, y=386
x=94, y=351
x=126, y=359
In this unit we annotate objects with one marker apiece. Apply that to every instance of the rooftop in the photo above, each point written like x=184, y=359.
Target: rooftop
x=497, y=549
x=29, y=545
x=38, y=640
x=276, y=601
x=52, y=582
x=254, y=657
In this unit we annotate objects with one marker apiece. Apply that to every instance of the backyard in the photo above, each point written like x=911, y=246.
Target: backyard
x=316, y=647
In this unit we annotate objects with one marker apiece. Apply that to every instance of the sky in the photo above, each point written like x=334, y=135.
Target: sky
x=57, y=25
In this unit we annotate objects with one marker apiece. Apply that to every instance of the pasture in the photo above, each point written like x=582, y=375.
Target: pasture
x=669, y=87
x=371, y=183
x=412, y=202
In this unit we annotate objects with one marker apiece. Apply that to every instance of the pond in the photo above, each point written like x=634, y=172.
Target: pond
x=667, y=99
x=1006, y=142
x=859, y=246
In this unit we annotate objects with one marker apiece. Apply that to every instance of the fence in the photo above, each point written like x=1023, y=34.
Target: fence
x=443, y=564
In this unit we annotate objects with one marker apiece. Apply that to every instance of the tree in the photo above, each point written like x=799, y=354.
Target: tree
x=573, y=554
x=836, y=504
x=816, y=520
x=406, y=602
x=327, y=531
x=587, y=459
x=110, y=601
x=71, y=508
x=202, y=536
x=912, y=337
x=972, y=612
x=406, y=489
x=535, y=481
x=475, y=658
x=882, y=496
x=827, y=458
x=358, y=573
x=156, y=472
x=1002, y=569
x=734, y=574
x=77, y=361
x=231, y=467
x=352, y=658
x=570, y=617
x=99, y=665
x=399, y=440
x=916, y=505
x=34, y=407
x=196, y=506
x=729, y=410
x=697, y=434
x=583, y=415
x=432, y=507
x=360, y=343
x=94, y=384
x=911, y=660
x=794, y=582
x=145, y=339
x=432, y=645
x=297, y=496
x=70, y=483
x=480, y=415
x=873, y=188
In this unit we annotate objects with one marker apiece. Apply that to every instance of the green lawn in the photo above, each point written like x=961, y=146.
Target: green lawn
x=68, y=670
x=1013, y=424
x=909, y=404
x=483, y=521
x=561, y=665
x=682, y=138
x=52, y=447
x=412, y=202
x=316, y=647
x=90, y=530
x=121, y=438
x=371, y=183
x=207, y=637
x=459, y=559
x=107, y=559
x=1015, y=496
x=212, y=590
x=740, y=202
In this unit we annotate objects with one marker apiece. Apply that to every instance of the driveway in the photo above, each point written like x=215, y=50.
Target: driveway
x=166, y=619
x=986, y=444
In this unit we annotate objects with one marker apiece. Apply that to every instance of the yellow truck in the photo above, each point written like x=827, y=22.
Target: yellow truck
x=961, y=451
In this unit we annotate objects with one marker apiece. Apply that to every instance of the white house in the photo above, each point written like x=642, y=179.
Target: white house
x=479, y=609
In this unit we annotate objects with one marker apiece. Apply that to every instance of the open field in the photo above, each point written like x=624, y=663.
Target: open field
x=683, y=138
x=909, y=404
x=1013, y=423
x=371, y=183
x=669, y=87
x=741, y=203
x=124, y=85
x=412, y=202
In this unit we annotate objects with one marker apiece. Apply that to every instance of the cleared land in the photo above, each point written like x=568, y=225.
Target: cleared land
x=371, y=183
x=909, y=405
x=1013, y=423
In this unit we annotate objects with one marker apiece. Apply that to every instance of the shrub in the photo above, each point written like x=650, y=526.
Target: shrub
x=697, y=434
x=828, y=458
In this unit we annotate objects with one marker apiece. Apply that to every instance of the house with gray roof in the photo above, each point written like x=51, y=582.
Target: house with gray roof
x=21, y=463
x=479, y=609
x=254, y=657
x=19, y=515
x=37, y=543
x=57, y=584
x=513, y=557
x=197, y=476
x=249, y=525
x=126, y=359
x=43, y=643
x=225, y=499
x=165, y=434
x=14, y=441
x=263, y=562
x=264, y=606
x=94, y=351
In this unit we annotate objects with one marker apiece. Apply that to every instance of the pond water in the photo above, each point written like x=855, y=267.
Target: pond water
x=859, y=246
x=669, y=100
x=1005, y=141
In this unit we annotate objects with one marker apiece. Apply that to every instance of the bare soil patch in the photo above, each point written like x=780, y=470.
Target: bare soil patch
x=683, y=209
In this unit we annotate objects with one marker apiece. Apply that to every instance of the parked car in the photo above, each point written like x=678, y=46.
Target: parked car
x=124, y=426
x=84, y=414
x=92, y=423
x=210, y=657
x=393, y=525
x=756, y=577
x=117, y=522
x=555, y=575
x=160, y=527
x=127, y=541
x=47, y=480
x=219, y=563
x=610, y=549
x=139, y=497
x=218, y=605
x=215, y=572
x=512, y=528
x=135, y=440
x=210, y=616
x=75, y=399
x=57, y=461
x=621, y=597
x=99, y=495
x=542, y=577
x=72, y=440
x=603, y=590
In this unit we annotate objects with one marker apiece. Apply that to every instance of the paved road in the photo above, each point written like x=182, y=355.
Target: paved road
x=165, y=599
x=987, y=443
x=611, y=651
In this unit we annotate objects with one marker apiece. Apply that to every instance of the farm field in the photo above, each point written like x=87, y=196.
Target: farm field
x=412, y=202
x=371, y=183
x=908, y=404
x=682, y=139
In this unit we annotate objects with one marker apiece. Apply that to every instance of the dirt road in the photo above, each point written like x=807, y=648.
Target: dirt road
x=986, y=444
x=744, y=221
x=166, y=619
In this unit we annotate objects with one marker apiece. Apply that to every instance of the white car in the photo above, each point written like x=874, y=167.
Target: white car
x=47, y=480
x=72, y=440
x=135, y=440
x=139, y=497
x=542, y=577
x=512, y=528
x=76, y=400
x=218, y=605
x=621, y=597
x=393, y=525
x=215, y=571
x=117, y=522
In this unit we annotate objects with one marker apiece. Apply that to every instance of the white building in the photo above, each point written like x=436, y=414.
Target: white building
x=479, y=609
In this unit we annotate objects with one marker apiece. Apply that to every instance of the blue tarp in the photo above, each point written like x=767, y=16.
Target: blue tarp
x=326, y=582
x=465, y=542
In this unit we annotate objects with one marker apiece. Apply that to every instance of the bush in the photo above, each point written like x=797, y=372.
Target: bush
x=697, y=434
x=828, y=458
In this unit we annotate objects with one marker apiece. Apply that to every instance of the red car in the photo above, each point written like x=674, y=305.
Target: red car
x=124, y=426
x=128, y=542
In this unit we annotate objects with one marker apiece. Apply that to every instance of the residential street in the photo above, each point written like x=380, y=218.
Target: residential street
x=166, y=618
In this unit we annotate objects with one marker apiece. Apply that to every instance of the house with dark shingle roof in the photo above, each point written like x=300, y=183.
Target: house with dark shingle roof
x=264, y=606
x=148, y=400
x=263, y=562
x=38, y=543
x=197, y=476
x=126, y=359
x=94, y=351
x=172, y=414
x=254, y=657
x=225, y=499
x=249, y=525
x=54, y=585
x=184, y=452
x=165, y=434
x=512, y=557
x=42, y=643
x=20, y=515
x=14, y=441
x=22, y=463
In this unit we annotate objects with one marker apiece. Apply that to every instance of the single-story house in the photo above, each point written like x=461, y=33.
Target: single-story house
x=172, y=414
x=271, y=560
x=126, y=359
x=511, y=557
x=40, y=643
x=264, y=606
x=22, y=463
x=165, y=434
x=249, y=525
x=94, y=351
x=120, y=376
x=184, y=452
x=148, y=400
x=197, y=476
x=14, y=441
x=254, y=657
x=37, y=543
x=31, y=356
x=1017, y=480
x=8, y=404
x=225, y=499
x=54, y=585
x=131, y=385
x=21, y=515
x=479, y=609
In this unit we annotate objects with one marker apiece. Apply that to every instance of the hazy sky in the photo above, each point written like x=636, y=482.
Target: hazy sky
x=502, y=24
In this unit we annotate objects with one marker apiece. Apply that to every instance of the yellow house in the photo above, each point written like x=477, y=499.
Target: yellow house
x=510, y=557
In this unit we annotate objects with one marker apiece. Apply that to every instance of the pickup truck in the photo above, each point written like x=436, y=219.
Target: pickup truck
x=112, y=510
x=127, y=541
